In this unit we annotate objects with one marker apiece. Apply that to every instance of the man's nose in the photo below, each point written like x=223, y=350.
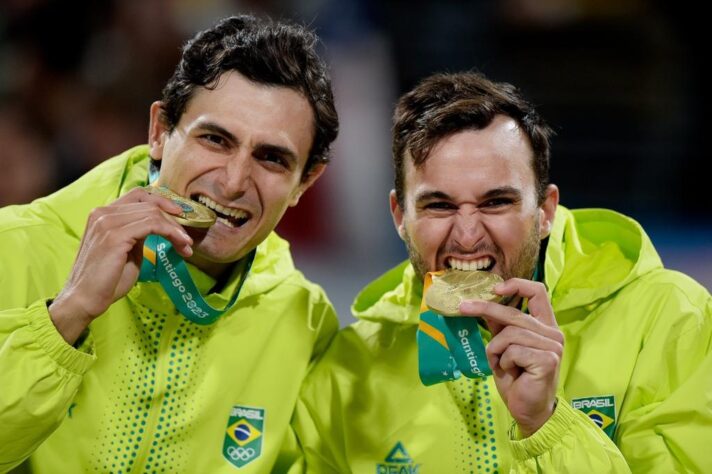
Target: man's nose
x=238, y=174
x=468, y=230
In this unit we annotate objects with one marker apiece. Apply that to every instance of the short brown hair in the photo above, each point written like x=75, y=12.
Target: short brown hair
x=444, y=104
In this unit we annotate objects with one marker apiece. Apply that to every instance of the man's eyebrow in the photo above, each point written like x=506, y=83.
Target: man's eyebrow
x=502, y=191
x=283, y=151
x=511, y=191
x=432, y=196
x=215, y=128
x=264, y=147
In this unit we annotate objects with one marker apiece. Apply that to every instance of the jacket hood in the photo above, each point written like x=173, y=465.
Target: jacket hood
x=115, y=177
x=591, y=254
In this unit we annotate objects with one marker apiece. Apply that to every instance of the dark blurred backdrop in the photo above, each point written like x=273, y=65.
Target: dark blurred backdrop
x=621, y=82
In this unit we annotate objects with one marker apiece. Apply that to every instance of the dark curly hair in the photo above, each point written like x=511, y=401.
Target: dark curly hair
x=444, y=104
x=266, y=52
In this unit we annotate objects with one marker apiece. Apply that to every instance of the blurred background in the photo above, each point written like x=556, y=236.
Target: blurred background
x=621, y=82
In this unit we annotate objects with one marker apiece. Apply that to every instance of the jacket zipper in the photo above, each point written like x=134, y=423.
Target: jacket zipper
x=172, y=324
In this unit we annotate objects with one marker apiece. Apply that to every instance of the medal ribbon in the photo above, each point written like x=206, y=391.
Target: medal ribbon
x=448, y=346
x=163, y=264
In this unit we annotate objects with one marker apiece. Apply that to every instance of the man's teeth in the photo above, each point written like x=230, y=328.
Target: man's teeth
x=227, y=222
x=470, y=265
x=236, y=213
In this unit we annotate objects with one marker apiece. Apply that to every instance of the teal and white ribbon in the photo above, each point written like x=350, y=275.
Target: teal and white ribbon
x=449, y=347
x=163, y=264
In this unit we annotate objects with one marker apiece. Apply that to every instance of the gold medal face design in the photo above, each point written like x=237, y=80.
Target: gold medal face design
x=194, y=214
x=452, y=287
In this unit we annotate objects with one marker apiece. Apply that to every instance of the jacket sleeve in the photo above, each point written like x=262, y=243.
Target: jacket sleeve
x=291, y=456
x=569, y=441
x=311, y=445
x=39, y=376
x=666, y=419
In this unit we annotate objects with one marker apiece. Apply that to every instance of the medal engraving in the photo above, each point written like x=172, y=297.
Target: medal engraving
x=453, y=287
x=194, y=214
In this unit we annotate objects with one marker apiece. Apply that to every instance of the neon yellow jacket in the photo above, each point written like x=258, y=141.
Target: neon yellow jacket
x=636, y=360
x=148, y=390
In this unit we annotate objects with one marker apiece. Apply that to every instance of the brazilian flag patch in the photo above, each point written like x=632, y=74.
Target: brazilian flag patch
x=244, y=435
x=602, y=410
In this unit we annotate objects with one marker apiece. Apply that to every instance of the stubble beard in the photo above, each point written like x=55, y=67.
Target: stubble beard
x=522, y=266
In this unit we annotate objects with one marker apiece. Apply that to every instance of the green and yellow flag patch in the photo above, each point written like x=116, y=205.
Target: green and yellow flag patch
x=602, y=410
x=244, y=435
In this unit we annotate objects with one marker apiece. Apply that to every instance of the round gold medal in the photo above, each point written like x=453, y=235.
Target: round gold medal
x=194, y=214
x=453, y=287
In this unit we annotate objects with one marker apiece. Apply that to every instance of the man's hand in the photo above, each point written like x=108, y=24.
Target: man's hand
x=110, y=255
x=525, y=351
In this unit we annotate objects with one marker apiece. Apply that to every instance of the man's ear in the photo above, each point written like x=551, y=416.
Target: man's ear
x=314, y=174
x=397, y=214
x=548, y=210
x=157, y=131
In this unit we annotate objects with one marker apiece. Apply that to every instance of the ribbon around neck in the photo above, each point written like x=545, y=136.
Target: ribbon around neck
x=163, y=264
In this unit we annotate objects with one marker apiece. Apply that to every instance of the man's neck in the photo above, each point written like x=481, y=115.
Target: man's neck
x=214, y=269
x=539, y=270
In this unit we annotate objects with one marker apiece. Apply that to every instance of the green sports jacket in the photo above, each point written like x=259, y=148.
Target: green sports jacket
x=148, y=391
x=636, y=361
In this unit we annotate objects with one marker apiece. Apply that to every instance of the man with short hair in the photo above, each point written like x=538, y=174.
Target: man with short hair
x=596, y=330
x=173, y=372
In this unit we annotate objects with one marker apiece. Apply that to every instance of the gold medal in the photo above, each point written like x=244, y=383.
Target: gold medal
x=194, y=214
x=452, y=287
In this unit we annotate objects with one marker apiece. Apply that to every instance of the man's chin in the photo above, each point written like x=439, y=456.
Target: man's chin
x=215, y=264
x=197, y=234
x=217, y=257
x=211, y=245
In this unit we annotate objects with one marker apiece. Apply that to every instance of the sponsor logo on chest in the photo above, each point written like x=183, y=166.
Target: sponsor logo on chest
x=398, y=461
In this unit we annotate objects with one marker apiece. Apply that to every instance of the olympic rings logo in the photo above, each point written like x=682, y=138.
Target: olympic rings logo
x=242, y=454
